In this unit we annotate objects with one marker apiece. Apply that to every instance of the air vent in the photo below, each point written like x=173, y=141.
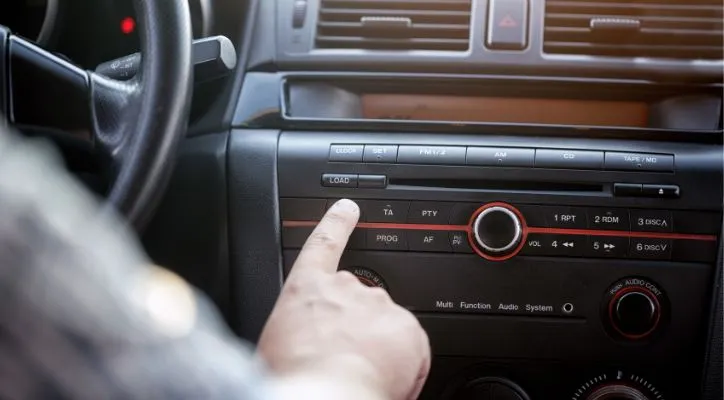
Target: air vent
x=394, y=24
x=688, y=29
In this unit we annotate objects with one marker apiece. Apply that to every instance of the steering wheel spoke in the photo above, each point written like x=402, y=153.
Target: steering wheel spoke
x=62, y=103
x=113, y=105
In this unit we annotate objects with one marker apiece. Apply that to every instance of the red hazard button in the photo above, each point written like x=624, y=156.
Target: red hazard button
x=508, y=22
x=507, y=25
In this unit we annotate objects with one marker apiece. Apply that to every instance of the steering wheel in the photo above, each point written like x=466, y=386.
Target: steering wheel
x=136, y=124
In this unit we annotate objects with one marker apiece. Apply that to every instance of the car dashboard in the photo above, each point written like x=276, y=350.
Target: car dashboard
x=540, y=183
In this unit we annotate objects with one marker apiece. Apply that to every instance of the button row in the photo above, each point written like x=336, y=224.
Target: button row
x=416, y=240
x=639, y=190
x=502, y=157
x=560, y=217
x=391, y=240
x=439, y=239
x=548, y=245
x=618, y=247
x=354, y=181
x=609, y=219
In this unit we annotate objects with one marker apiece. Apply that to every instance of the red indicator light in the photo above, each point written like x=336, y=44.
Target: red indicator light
x=128, y=25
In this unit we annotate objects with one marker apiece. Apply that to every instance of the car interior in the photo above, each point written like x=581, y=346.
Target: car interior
x=540, y=181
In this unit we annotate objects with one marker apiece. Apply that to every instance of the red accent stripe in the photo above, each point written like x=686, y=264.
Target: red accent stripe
x=383, y=225
x=593, y=232
x=557, y=231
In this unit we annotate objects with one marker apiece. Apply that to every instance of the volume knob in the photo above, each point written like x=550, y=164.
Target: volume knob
x=497, y=231
x=634, y=308
x=635, y=313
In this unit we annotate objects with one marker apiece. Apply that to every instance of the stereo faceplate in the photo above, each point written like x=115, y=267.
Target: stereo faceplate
x=613, y=267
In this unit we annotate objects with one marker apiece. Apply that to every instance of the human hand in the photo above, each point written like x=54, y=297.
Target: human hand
x=326, y=322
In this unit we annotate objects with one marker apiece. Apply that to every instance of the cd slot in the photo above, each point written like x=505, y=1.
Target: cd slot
x=498, y=186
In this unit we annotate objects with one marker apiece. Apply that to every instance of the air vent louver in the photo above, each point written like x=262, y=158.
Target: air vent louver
x=688, y=29
x=394, y=24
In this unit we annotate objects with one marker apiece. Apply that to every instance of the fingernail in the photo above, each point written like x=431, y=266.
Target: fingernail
x=347, y=205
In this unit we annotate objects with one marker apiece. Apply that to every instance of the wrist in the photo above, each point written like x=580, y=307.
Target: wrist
x=341, y=376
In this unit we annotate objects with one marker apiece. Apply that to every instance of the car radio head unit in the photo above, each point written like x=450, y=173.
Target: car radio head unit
x=573, y=249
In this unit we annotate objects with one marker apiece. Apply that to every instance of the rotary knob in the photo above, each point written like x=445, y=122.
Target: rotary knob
x=635, y=313
x=617, y=385
x=634, y=308
x=497, y=231
x=617, y=392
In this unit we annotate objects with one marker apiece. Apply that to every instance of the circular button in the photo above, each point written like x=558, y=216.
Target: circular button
x=497, y=230
x=635, y=313
x=634, y=309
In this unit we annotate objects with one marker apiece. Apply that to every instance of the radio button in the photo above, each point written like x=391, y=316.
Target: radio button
x=425, y=212
x=661, y=191
x=568, y=159
x=608, y=219
x=435, y=155
x=565, y=217
x=533, y=215
x=362, y=204
x=386, y=211
x=627, y=189
x=294, y=238
x=651, y=221
x=499, y=157
x=372, y=181
x=462, y=212
x=567, y=245
x=302, y=209
x=607, y=246
x=459, y=242
x=434, y=241
x=378, y=153
x=340, y=180
x=650, y=249
x=639, y=162
x=357, y=240
x=537, y=244
x=554, y=245
x=346, y=152
x=387, y=239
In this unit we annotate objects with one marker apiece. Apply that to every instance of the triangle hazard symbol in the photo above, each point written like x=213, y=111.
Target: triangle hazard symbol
x=507, y=22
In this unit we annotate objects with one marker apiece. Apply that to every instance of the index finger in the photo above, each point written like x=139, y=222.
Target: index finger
x=325, y=245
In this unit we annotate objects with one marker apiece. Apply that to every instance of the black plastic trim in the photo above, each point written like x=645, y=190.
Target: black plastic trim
x=189, y=232
x=713, y=383
x=254, y=229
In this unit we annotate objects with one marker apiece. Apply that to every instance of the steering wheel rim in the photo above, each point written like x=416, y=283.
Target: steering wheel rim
x=160, y=96
x=136, y=124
